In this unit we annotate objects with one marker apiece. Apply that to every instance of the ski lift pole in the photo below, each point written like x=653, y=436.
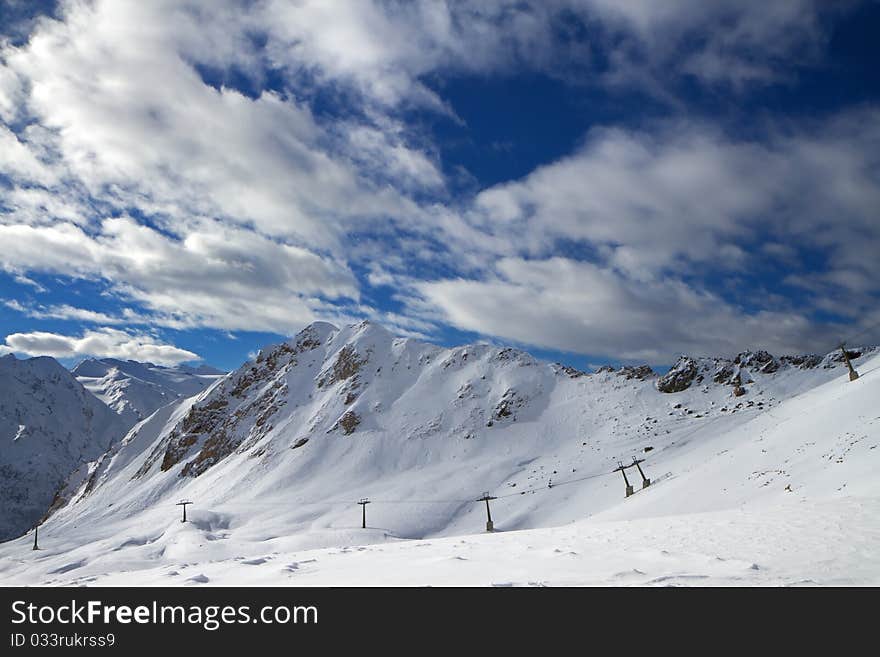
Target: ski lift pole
x=364, y=501
x=486, y=497
x=183, y=503
x=853, y=375
x=645, y=481
x=622, y=469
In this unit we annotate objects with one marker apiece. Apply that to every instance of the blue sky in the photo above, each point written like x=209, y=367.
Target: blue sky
x=594, y=181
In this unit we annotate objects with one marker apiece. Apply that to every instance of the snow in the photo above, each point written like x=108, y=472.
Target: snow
x=779, y=491
x=49, y=425
x=135, y=390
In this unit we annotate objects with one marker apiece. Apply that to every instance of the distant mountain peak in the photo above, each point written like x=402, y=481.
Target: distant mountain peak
x=49, y=425
x=135, y=390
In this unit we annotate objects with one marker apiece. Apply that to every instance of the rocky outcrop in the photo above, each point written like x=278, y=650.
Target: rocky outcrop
x=236, y=414
x=680, y=376
x=507, y=406
x=640, y=372
x=757, y=361
x=805, y=362
x=854, y=353
x=347, y=423
x=347, y=365
x=737, y=372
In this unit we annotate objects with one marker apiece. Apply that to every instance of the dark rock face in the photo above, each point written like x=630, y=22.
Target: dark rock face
x=837, y=357
x=347, y=423
x=222, y=423
x=570, y=372
x=679, y=377
x=806, y=362
x=507, y=406
x=760, y=361
x=640, y=372
x=347, y=365
x=724, y=373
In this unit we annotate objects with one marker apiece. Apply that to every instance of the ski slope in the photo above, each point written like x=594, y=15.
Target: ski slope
x=784, y=493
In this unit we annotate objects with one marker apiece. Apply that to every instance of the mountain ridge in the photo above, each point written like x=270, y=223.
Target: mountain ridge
x=135, y=390
x=49, y=424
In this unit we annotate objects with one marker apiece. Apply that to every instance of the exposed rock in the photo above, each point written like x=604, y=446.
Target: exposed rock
x=509, y=403
x=760, y=361
x=570, y=372
x=348, y=363
x=348, y=423
x=640, y=372
x=724, y=373
x=216, y=447
x=521, y=357
x=216, y=431
x=836, y=357
x=806, y=362
x=679, y=377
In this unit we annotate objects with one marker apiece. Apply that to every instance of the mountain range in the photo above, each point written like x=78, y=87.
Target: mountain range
x=135, y=390
x=276, y=455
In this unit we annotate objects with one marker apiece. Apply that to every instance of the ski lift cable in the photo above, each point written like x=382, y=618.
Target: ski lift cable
x=294, y=503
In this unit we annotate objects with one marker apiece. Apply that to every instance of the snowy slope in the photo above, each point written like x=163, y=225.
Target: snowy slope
x=276, y=455
x=49, y=425
x=135, y=390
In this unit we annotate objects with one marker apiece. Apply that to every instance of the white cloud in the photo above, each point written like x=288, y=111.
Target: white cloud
x=18, y=161
x=384, y=50
x=202, y=206
x=685, y=197
x=656, y=212
x=735, y=42
x=582, y=308
x=216, y=276
x=129, y=118
x=65, y=312
x=100, y=343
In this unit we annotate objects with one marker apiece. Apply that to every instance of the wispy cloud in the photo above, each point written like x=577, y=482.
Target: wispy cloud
x=65, y=312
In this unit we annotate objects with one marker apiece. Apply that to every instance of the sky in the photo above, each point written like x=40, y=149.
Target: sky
x=592, y=180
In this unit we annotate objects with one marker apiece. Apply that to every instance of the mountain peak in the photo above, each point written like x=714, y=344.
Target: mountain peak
x=49, y=424
x=134, y=390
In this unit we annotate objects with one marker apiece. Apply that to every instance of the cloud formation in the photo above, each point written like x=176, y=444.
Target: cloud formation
x=100, y=343
x=254, y=166
x=661, y=211
x=579, y=307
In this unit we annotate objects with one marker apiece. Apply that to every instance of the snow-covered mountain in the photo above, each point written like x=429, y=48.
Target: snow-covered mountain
x=277, y=454
x=49, y=425
x=135, y=390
